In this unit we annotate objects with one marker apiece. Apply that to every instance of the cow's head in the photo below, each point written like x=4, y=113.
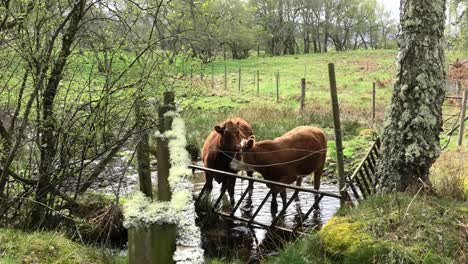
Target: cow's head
x=231, y=136
x=238, y=162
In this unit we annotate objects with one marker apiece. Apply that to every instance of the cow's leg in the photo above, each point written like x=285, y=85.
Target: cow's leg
x=208, y=182
x=250, y=174
x=298, y=183
x=274, y=203
x=317, y=175
x=231, y=186
x=283, y=197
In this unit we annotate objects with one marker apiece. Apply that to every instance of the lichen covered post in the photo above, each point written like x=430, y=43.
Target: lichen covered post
x=165, y=123
x=142, y=147
x=410, y=141
x=165, y=231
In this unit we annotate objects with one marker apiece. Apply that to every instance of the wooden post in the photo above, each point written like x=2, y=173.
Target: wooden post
x=277, y=86
x=239, y=79
x=258, y=51
x=258, y=82
x=224, y=52
x=201, y=71
x=212, y=76
x=152, y=244
x=191, y=76
x=303, y=88
x=337, y=125
x=165, y=124
x=225, y=77
x=156, y=243
x=254, y=78
x=458, y=87
x=373, y=105
x=142, y=149
x=462, y=118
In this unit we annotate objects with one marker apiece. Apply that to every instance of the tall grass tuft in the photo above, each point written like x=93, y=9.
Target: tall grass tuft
x=449, y=174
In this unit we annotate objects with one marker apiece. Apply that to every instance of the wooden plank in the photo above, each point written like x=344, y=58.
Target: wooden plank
x=364, y=180
x=360, y=185
x=285, y=207
x=241, y=199
x=260, y=206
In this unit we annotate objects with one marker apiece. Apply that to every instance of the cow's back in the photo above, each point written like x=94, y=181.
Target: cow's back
x=300, y=151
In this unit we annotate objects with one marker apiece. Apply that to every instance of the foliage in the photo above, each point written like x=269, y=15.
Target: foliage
x=394, y=228
x=449, y=174
x=48, y=247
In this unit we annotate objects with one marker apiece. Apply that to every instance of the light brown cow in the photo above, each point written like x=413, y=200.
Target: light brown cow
x=219, y=148
x=285, y=159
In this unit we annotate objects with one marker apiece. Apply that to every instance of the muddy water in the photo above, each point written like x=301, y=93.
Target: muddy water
x=250, y=244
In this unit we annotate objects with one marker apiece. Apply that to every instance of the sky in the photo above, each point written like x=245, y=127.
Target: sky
x=393, y=6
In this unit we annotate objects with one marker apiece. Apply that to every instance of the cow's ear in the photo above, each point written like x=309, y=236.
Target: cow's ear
x=250, y=142
x=219, y=129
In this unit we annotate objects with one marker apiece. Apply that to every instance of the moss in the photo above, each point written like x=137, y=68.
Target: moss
x=394, y=228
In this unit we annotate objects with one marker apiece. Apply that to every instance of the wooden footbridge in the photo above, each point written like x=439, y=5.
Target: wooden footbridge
x=360, y=183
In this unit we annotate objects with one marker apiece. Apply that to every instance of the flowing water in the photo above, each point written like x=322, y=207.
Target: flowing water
x=237, y=240
x=225, y=239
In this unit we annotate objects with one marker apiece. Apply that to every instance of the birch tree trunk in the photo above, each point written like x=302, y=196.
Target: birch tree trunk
x=414, y=120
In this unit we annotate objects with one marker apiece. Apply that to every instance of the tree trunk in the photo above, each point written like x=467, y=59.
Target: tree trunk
x=306, y=43
x=48, y=125
x=414, y=122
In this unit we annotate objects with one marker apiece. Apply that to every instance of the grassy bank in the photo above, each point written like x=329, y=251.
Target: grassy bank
x=397, y=228
x=48, y=247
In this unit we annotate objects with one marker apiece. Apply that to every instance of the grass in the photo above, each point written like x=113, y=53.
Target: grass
x=449, y=174
x=396, y=228
x=388, y=229
x=48, y=247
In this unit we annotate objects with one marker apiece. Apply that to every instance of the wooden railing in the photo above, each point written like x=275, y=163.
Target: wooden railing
x=252, y=220
x=362, y=181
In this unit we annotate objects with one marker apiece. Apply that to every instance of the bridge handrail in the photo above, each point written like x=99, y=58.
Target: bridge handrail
x=297, y=188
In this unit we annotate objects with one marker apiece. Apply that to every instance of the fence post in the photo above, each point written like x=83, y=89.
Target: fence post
x=373, y=105
x=156, y=243
x=201, y=71
x=191, y=76
x=212, y=76
x=337, y=125
x=142, y=149
x=458, y=87
x=277, y=86
x=462, y=118
x=303, y=88
x=258, y=51
x=239, y=79
x=258, y=82
x=165, y=123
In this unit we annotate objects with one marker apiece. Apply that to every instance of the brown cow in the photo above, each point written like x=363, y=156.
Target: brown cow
x=219, y=148
x=285, y=159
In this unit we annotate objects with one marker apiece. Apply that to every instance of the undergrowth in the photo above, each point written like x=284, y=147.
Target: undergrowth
x=48, y=247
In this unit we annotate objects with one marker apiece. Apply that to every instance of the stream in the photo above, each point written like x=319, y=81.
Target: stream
x=251, y=244
x=234, y=240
